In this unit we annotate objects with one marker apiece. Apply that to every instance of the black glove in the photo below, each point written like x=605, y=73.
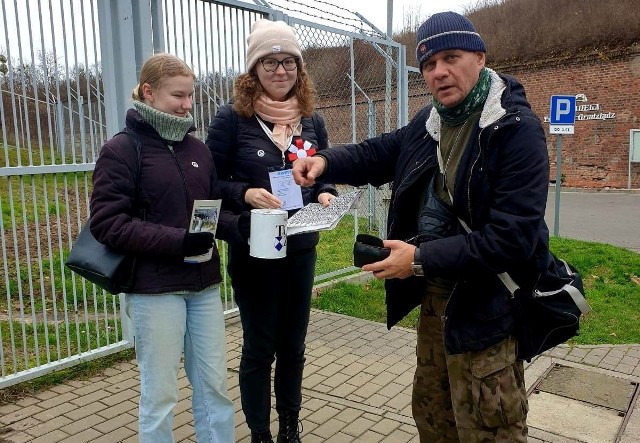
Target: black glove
x=196, y=243
x=244, y=225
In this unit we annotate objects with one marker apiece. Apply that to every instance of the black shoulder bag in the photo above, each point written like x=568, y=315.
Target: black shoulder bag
x=110, y=270
x=549, y=314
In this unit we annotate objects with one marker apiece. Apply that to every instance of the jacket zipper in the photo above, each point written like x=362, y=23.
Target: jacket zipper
x=471, y=175
x=475, y=162
x=184, y=181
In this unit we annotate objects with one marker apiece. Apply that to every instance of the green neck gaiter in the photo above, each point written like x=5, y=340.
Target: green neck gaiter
x=476, y=98
x=170, y=127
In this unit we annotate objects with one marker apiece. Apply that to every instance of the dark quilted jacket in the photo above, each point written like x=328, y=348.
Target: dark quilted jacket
x=243, y=156
x=169, y=182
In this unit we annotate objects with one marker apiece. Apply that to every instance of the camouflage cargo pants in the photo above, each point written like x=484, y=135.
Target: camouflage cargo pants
x=469, y=398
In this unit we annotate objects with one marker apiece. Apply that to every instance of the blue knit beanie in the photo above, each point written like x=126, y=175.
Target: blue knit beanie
x=446, y=30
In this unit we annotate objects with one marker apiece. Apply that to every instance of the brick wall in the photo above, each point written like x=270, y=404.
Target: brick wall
x=597, y=155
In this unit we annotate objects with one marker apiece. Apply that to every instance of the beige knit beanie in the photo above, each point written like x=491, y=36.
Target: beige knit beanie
x=268, y=38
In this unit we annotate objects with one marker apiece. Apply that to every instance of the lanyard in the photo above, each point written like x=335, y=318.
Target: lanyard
x=269, y=133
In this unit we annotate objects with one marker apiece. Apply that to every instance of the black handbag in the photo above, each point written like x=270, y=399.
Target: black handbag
x=111, y=270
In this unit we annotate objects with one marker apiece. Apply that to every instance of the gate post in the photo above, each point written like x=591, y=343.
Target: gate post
x=125, y=36
x=403, y=87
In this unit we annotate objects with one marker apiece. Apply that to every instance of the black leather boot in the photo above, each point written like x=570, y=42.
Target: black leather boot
x=290, y=428
x=261, y=437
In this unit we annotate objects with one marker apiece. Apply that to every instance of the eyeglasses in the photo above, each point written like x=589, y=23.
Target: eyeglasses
x=271, y=64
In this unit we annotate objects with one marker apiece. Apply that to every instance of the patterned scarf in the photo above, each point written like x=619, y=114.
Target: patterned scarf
x=476, y=98
x=170, y=127
x=285, y=117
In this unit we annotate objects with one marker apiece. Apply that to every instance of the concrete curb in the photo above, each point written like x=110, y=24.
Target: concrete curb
x=552, y=187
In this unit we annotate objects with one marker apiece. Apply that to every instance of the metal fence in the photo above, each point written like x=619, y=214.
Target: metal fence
x=66, y=73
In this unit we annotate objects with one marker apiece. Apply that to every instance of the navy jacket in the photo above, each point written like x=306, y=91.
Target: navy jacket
x=500, y=191
x=169, y=182
x=243, y=157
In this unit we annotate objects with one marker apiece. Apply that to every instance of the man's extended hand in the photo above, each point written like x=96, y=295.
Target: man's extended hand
x=397, y=265
x=306, y=170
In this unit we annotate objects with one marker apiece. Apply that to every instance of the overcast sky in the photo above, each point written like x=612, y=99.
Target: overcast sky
x=76, y=39
x=376, y=10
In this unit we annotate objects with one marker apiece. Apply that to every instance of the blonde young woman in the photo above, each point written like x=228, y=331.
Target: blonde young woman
x=175, y=306
x=270, y=124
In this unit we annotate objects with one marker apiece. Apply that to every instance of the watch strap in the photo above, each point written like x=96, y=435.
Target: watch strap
x=416, y=265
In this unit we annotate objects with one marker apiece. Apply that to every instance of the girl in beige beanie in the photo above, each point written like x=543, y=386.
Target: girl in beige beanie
x=270, y=124
x=268, y=38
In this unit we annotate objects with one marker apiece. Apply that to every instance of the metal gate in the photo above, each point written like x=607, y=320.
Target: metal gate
x=53, y=123
x=66, y=76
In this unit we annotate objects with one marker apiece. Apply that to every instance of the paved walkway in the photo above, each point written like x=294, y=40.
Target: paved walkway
x=357, y=388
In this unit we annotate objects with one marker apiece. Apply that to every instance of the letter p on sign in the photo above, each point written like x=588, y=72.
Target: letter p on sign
x=563, y=110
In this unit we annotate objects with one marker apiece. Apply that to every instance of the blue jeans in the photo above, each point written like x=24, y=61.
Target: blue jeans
x=164, y=326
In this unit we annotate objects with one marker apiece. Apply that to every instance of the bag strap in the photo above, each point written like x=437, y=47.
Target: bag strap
x=231, y=156
x=234, y=126
x=136, y=179
x=577, y=298
x=575, y=294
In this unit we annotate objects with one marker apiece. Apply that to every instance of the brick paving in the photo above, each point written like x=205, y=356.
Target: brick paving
x=356, y=388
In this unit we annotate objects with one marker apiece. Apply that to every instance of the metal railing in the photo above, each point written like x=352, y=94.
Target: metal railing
x=66, y=75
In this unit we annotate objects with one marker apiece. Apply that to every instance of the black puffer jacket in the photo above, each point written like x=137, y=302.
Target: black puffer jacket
x=243, y=159
x=500, y=191
x=169, y=182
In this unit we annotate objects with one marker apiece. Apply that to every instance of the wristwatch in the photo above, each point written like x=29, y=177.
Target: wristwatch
x=416, y=265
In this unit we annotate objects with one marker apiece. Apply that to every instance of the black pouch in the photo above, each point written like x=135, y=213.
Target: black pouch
x=436, y=219
x=368, y=249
